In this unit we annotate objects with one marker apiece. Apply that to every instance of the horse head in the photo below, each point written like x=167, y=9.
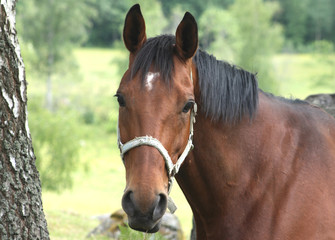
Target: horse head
x=156, y=107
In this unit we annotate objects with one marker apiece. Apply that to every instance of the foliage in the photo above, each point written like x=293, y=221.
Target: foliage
x=56, y=146
x=196, y=7
x=128, y=233
x=324, y=47
x=107, y=25
x=154, y=17
x=321, y=20
x=52, y=28
x=257, y=39
x=49, y=30
x=305, y=21
x=293, y=16
x=245, y=35
x=217, y=27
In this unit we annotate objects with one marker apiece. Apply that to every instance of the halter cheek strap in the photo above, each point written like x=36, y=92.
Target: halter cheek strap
x=172, y=168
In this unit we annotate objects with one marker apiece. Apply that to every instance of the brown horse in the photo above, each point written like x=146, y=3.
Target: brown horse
x=262, y=167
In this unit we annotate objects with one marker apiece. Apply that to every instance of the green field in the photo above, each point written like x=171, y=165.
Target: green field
x=301, y=75
x=99, y=189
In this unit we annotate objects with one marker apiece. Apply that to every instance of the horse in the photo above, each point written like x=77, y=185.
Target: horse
x=262, y=166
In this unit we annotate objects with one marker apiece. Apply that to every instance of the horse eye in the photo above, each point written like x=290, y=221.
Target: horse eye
x=121, y=100
x=188, y=106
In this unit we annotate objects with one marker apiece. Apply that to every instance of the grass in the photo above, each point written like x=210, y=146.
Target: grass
x=69, y=225
x=99, y=190
x=299, y=75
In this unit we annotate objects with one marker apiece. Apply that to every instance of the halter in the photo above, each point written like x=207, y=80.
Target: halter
x=172, y=169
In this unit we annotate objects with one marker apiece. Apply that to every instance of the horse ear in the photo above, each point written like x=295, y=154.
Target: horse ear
x=187, y=37
x=134, y=29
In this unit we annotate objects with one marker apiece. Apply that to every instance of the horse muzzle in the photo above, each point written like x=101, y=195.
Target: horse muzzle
x=145, y=219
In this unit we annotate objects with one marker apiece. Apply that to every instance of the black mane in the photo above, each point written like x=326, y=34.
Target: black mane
x=227, y=92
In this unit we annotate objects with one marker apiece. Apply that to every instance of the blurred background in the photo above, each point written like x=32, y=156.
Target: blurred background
x=74, y=58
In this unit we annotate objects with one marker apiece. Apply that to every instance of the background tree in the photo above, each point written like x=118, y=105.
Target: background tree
x=107, y=27
x=244, y=35
x=21, y=211
x=196, y=7
x=154, y=15
x=305, y=21
x=320, y=20
x=217, y=27
x=257, y=40
x=293, y=15
x=55, y=27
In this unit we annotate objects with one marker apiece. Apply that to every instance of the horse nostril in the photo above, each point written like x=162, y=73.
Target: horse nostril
x=128, y=203
x=160, y=207
x=157, y=210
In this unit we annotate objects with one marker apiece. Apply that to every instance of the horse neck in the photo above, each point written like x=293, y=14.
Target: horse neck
x=211, y=162
x=238, y=178
x=220, y=167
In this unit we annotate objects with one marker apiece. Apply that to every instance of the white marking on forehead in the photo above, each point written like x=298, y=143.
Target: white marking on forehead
x=149, y=79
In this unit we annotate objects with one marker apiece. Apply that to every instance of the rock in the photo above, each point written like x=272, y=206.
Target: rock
x=109, y=226
x=170, y=227
x=325, y=101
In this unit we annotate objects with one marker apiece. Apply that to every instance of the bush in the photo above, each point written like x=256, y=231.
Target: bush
x=56, y=147
x=324, y=47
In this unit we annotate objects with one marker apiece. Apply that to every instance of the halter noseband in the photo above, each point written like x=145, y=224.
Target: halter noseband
x=172, y=169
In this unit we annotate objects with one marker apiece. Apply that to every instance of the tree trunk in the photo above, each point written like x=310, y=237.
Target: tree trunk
x=21, y=211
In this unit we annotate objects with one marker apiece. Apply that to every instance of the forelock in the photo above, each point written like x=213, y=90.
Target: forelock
x=156, y=53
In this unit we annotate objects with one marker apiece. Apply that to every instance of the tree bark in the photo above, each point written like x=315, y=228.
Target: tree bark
x=21, y=210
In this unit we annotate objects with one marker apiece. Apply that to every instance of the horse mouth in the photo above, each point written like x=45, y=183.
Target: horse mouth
x=144, y=226
x=148, y=221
